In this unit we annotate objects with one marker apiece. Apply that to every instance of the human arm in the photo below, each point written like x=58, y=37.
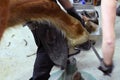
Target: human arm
x=71, y=10
x=108, y=9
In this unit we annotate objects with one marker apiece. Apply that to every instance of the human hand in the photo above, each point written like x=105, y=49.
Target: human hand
x=106, y=69
x=72, y=11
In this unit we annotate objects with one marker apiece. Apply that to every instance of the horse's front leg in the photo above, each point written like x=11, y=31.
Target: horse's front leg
x=4, y=4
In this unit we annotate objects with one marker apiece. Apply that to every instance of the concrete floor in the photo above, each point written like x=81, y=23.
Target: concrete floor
x=16, y=62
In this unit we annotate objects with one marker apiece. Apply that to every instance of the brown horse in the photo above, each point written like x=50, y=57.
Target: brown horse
x=14, y=12
x=3, y=15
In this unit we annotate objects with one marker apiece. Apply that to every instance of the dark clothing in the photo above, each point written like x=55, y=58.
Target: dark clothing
x=52, y=48
x=43, y=63
x=42, y=66
x=52, y=40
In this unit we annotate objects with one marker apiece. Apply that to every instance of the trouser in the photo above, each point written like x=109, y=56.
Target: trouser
x=52, y=47
x=42, y=66
x=43, y=63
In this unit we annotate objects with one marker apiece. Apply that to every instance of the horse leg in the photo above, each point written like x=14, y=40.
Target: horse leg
x=4, y=4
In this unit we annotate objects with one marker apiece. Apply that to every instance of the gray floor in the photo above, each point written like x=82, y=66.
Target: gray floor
x=16, y=62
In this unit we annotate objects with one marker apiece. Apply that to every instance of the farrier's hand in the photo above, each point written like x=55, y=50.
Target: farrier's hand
x=106, y=69
x=72, y=11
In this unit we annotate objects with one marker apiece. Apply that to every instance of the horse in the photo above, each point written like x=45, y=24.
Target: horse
x=15, y=12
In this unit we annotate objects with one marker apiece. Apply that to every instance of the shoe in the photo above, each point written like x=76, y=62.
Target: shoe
x=118, y=11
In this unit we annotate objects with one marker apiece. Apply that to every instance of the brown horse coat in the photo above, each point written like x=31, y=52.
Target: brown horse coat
x=14, y=12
